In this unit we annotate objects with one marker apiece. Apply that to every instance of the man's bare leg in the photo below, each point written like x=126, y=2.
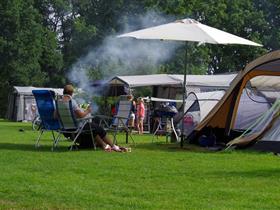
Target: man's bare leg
x=100, y=141
x=106, y=140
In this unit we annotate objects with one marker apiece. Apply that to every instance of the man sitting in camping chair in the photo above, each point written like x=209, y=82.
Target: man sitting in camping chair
x=99, y=133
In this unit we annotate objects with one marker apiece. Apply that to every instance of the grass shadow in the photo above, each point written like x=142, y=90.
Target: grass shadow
x=31, y=147
x=19, y=127
x=5, y=120
x=171, y=147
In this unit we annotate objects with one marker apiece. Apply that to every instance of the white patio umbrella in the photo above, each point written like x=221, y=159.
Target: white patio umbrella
x=188, y=30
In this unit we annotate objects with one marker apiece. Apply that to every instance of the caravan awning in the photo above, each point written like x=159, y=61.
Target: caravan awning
x=145, y=80
x=173, y=80
x=221, y=80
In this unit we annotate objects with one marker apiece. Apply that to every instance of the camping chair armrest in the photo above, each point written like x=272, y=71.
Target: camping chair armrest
x=103, y=117
x=104, y=121
x=119, y=117
x=85, y=119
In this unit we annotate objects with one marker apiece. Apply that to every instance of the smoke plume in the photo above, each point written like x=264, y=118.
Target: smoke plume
x=123, y=56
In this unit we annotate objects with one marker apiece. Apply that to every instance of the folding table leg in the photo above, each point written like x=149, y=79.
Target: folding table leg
x=132, y=139
x=126, y=137
x=92, y=138
x=115, y=136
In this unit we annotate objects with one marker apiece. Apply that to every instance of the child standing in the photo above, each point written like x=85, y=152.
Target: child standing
x=132, y=112
x=140, y=115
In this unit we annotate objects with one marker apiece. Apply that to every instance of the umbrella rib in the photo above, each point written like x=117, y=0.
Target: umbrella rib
x=214, y=41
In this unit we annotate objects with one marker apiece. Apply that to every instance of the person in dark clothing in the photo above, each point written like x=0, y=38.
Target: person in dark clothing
x=99, y=133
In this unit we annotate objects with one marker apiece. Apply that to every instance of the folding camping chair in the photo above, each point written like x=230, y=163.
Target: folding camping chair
x=46, y=108
x=120, y=120
x=69, y=123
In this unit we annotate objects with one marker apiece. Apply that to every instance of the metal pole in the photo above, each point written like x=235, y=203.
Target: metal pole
x=184, y=93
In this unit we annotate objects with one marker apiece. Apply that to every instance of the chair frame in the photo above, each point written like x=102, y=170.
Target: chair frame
x=119, y=121
x=75, y=128
x=45, y=125
x=122, y=124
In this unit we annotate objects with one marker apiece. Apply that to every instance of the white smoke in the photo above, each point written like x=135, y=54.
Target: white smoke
x=124, y=56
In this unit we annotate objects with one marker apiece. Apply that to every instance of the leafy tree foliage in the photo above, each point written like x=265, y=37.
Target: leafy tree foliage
x=242, y=18
x=28, y=51
x=269, y=32
x=40, y=40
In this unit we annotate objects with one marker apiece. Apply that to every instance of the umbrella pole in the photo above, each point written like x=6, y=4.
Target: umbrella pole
x=184, y=94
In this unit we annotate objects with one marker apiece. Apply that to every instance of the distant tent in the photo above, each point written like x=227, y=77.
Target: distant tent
x=206, y=101
x=260, y=80
x=21, y=103
x=197, y=106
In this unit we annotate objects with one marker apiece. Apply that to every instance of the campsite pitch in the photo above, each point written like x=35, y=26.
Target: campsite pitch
x=153, y=176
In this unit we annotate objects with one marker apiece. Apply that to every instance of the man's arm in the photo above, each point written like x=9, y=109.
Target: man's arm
x=81, y=114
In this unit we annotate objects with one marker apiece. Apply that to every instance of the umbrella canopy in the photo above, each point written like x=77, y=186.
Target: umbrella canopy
x=192, y=31
x=189, y=30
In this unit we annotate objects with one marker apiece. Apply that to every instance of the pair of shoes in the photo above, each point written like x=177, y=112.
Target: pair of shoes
x=107, y=148
x=125, y=149
x=116, y=148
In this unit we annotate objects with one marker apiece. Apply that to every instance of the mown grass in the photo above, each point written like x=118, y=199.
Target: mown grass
x=153, y=176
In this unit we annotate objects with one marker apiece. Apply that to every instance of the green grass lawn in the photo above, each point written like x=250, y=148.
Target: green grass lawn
x=153, y=176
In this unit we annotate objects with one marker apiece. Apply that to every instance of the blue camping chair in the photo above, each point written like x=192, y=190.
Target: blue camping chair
x=46, y=108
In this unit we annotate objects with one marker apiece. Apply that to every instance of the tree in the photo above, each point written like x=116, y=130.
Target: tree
x=241, y=18
x=26, y=48
x=238, y=17
x=269, y=31
x=40, y=40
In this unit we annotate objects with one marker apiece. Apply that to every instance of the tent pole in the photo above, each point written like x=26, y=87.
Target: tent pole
x=184, y=93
